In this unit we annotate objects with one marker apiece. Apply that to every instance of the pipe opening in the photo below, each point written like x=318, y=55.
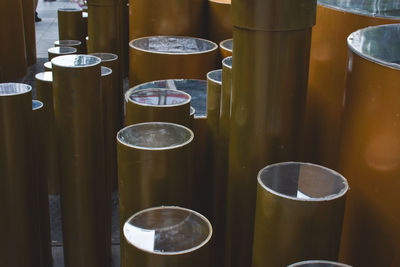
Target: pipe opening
x=379, y=44
x=48, y=65
x=105, y=71
x=227, y=44
x=62, y=50
x=75, y=61
x=302, y=181
x=105, y=56
x=197, y=89
x=374, y=8
x=66, y=9
x=317, y=263
x=67, y=43
x=159, y=97
x=8, y=89
x=46, y=76
x=227, y=62
x=155, y=136
x=36, y=104
x=192, y=111
x=167, y=230
x=173, y=45
x=215, y=76
x=221, y=1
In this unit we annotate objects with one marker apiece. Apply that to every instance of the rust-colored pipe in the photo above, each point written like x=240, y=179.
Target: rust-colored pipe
x=60, y=51
x=226, y=48
x=271, y=40
x=186, y=58
x=219, y=20
x=154, y=168
x=174, y=237
x=335, y=21
x=370, y=148
x=71, y=25
x=28, y=11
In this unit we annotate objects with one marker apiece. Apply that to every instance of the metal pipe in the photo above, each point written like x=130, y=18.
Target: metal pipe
x=154, y=168
x=369, y=132
x=28, y=11
x=186, y=58
x=271, y=41
x=318, y=263
x=42, y=217
x=174, y=237
x=219, y=20
x=226, y=48
x=299, y=214
x=192, y=112
x=47, y=66
x=60, y=51
x=44, y=93
x=18, y=205
x=156, y=104
x=71, y=25
x=85, y=16
x=328, y=59
x=70, y=43
x=80, y=137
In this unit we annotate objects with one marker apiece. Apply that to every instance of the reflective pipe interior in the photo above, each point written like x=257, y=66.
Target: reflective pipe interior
x=67, y=43
x=215, y=76
x=36, y=104
x=192, y=111
x=155, y=135
x=105, y=56
x=380, y=44
x=105, y=71
x=8, y=89
x=62, y=50
x=167, y=230
x=227, y=44
x=159, y=97
x=70, y=9
x=302, y=181
x=318, y=263
x=46, y=76
x=47, y=65
x=71, y=61
x=227, y=62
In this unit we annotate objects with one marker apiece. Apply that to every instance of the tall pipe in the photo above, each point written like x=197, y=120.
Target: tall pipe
x=226, y=48
x=154, y=168
x=44, y=93
x=60, y=51
x=28, y=11
x=219, y=20
x=318, y=263
x=299, y=214
x=71, y=25
x=186, y=58
x=174, y=237
x=156, y=104
x=370, y=150
x=271, y=41
x=336, y=19
x=18, y=229
x=80, y=138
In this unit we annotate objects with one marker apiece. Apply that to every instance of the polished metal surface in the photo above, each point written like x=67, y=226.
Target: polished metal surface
x=71, y=25
x=318, y=263
x=226, y=48
x=219, y=20
x=60, y=50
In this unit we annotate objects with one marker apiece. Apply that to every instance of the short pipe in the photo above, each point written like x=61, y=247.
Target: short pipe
x=226, y=48
x=70, y=43
x=60, y=51
x=318, y=263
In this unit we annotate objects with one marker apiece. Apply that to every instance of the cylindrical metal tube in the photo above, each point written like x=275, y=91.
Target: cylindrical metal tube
x=370, y=148
x=28, y=11
x=154, y=168
x=219, y=20
x=318, y=263
x=42, y=217
x=13, y=63
x=174, y=237
x=192, y=112
x=186, y=58
x=226, y=48
x=20, y=246
x=167, y=17
x=85, y=16
x=47, y=66
x=328, y=58
x=70, y=43
x=271, y=41
x=44, y=93
x=305, y=202
x=60, y=51
x=80, y=138
x=156, y=104
x=71, y=25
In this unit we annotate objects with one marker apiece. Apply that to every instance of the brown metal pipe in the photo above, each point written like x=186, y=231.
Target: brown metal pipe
x=219, y=20
x=71, y=25
x=369, y=148
x=154, y=168
x=175, y=237
x=186, y=58
x=299, y=214
x=80, y=136
x=60, y=51
x=28, y=11
x=226, y=48
x=44, y=93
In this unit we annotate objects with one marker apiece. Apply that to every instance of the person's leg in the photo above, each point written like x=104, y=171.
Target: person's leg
x=35, y=4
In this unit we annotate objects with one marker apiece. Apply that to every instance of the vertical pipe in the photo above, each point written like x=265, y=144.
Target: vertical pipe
x=226, y=48
x=28, y=11
x=71, y=25
x=174, y=237
x=47, y=66
x=60, y=51
x=154, y=168
x=318, y=263
x=42, y=217
x=299, y=214
x=271, y=42
x=80, y=137
x=370, y=148
x=44, y=93
x=18, y=228
x=219, y=20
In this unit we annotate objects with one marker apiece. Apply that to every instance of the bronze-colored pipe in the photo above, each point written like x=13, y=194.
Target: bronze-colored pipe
x=60, y=51
x=44, y=93
x=192, y=112
x=167, y=17
x=335, y=21
x=175, y=237
x=299, y=214
x=186, y=58
x=13, y=63
x=80, y=137
x=71, y=25
x=154, y=168
x=18, y=197
x=219, y=20
x=226, y=48
x=42, y=217
x=123, y=35
x=156, y=104
x=369, y=149
x=271, y=41
x=85, y=16
x=47, y=66
x=28, y=11
x=318, y=263
x=70, y=43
